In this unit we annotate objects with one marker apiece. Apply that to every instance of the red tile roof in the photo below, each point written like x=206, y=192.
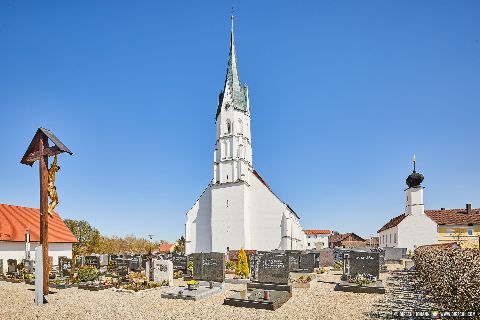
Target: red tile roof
x=165, y=247
x=442, y=217
x=14, y=220
x=454, y=216
x=317, y=231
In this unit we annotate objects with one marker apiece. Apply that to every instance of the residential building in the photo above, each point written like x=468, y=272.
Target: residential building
x=15, y=220
x=317, y=239
x=346, y=240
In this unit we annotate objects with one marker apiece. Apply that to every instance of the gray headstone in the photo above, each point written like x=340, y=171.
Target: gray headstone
x=103, y=260
x=325, y=258
x=93, y=261
x=12, y=266
x=395, y=254
x=136, y=263
x=28, y=266
x=65, y=266
x=208, y=266
x=273, y=268
x=163, y=270
x=361, y=263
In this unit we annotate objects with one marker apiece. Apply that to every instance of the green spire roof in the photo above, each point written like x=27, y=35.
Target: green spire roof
x=234, y=93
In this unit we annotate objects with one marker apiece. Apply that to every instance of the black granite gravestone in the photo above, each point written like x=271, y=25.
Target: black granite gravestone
x=122, y=267
x=11, y=266
x=208, y=266
x=136, y=263
x=306, y=262
x=366, y=263
x=93, y=261
x=273, y=268
x=180, y=262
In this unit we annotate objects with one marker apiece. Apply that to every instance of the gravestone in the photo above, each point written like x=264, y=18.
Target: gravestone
x=145, y=258
x=307, y=262
x=163, y=270
x=11, y=266
x=1, y=266
x=28, y=265
x=366, y=263
x=208, y=266
x=325, y=258
x=273, y=268
x=50, y=261
x=65, y=266
x=394, y=254
x=272, y=289
x=103, y=260
x=122, y=267
x=180, y=262
x=136, y=263
x=79, y=261
x=92, y=261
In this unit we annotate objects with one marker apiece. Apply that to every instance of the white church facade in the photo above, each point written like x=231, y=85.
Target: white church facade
x=238, y=209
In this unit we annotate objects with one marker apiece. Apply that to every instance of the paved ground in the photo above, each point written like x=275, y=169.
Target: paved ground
x=317, y=302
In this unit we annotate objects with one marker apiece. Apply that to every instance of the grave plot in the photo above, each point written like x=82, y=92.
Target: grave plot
x=270, y=289
x=63, y=281
x=360, y=273
x=208, y=278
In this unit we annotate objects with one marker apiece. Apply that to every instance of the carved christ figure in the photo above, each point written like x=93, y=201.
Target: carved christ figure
x=52, y=190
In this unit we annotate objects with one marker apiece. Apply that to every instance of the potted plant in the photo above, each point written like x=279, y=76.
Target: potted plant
x=192, y=284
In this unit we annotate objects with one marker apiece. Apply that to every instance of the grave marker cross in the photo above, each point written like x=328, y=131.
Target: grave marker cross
x=40, y=150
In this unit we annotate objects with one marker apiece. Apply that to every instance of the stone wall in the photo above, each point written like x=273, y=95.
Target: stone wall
x=451, y=275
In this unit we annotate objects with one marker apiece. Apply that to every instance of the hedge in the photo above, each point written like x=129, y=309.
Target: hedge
x=450, y=275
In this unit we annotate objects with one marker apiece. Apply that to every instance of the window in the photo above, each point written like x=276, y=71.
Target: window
x=470, y=232
x=309, y=244
x=229, y=127
x=395, y=238
x=390, y=238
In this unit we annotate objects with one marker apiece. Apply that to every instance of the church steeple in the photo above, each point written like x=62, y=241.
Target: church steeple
x=234, y=94
x=233, y=147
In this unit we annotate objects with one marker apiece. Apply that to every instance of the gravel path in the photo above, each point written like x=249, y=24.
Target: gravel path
x=317, y=302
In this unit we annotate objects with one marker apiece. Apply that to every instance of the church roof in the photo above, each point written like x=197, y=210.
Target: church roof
x=442, y=217
x=317, y=231
x=14, y=220
x=234, y=93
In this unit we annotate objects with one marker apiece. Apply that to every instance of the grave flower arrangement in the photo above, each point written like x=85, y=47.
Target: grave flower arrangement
x=192, y=284
x=303, y=279
x=338, y=265
x=362, y=279
x=190, y=267
x=88, y=273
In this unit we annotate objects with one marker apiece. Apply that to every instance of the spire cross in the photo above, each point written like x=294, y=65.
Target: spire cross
x=414, y=162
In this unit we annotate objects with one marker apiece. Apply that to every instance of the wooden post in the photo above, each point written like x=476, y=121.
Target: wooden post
x=43, y=168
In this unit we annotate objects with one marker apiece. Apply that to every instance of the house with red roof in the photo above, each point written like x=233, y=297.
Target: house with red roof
x=317, y=239
x=166, y=247
x=15, y=220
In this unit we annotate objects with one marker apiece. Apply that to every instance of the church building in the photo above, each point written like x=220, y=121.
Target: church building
x=238, y=209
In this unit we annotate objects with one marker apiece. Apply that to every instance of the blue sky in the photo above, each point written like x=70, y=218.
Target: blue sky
x=342, y=94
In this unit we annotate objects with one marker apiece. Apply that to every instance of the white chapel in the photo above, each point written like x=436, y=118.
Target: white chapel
x=238, y=209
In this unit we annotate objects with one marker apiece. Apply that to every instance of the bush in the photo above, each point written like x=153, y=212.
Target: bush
x=88, y=273
x=242, y=265
x=231, y=265
x=451, y=275
x=338, y=265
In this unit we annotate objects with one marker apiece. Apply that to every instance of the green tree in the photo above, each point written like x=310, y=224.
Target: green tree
x=89, y=239
x=242, y=265
x=180, y=245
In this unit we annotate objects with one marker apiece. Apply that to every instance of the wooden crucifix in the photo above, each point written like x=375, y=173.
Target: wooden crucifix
x=40, y=150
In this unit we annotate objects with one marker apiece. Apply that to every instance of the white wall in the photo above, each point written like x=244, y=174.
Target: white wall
x=198, y=236
x=415, y=231
x=389, y=238
x=314, y=239
x=16, y=250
